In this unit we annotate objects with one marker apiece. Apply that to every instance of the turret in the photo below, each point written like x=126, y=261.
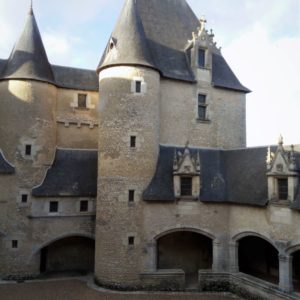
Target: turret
x=128, y=146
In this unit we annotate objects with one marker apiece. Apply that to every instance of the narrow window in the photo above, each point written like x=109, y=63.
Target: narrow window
x=84, y=205
x=133, y=141
x=131, y=195
x=201, y=58
x=186, y=186
x=14, y=244
x=131, y=240
x=53, y=207
x=28, y=150
x=138, y=86
x=24, y=198
x=202, y=107
x=283, y=189
x=82, y=100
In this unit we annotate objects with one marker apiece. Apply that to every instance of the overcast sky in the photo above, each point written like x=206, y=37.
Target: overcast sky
x=260, y=41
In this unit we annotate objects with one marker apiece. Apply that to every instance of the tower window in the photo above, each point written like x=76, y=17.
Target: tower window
x=84, y=205
x=24, y=198
x=201, y=58
x=186, y=186
x=14, y=244
x=131, y=240
x=282, y=188
x=138, y=86
x=53, y=207
x=82, y=103
x=133, y=141
x=131, y=195
x=202, y=107
x=27, y=150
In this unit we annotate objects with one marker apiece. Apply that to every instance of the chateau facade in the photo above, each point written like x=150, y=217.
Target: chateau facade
x=139, y=171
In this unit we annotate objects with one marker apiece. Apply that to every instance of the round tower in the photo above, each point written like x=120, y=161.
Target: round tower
x=128, y=149
x=28, y=100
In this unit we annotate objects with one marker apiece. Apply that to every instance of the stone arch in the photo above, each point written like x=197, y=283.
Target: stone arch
x=67, y=253
x=257, y=256
x=294, y=252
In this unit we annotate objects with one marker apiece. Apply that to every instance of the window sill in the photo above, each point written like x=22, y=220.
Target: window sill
x=187, y=198
x=205, y=121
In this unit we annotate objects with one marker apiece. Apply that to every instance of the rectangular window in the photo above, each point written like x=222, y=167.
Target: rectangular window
x=14, y=244
x=202, y=107
x=84, y=205
x=186, y=186
x=131, y=240
x=27, y=150
x=24, y=198
x=53, y=207
x=131, y=196
x=283, y=189
x=138, y=86
x=201, y=58
x=133, y=141
x=82, y=100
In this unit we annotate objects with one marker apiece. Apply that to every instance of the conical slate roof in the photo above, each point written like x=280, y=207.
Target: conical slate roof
x=28, y=59
x=155, y=33
x=128, y=43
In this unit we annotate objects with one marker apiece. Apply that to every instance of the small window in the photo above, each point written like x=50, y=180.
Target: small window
x=131, y=195
x=84, y=205
x=28, y=150
x=283, y=189
x=186, y=186
x=14, y=244
x=24, y=198
x=53, y=207
x=131, y=240
x=201, y=58
x=202, y=107
x=138, y=86
x=133, y=141
x=82, y=103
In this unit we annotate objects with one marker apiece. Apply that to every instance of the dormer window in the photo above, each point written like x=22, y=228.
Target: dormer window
x=201, y=58
x=186, y=186
x=282, y=188
x=82, y=100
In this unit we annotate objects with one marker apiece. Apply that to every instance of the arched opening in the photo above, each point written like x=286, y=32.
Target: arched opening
x=71, y=254
x=296, y=271
x=259, y=258
x=185, y=250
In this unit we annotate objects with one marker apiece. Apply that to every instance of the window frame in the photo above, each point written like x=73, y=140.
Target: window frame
x=202, y=63
x=84, y=206
x=28, y=150
x=132, y=141
x=57, y=207
x=81, y=101
x=138, y=86
x=183, y=192
x=280, y=187
x=202, y=106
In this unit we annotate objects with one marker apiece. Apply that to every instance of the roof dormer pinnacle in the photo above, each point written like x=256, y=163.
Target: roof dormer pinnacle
x=31, y=8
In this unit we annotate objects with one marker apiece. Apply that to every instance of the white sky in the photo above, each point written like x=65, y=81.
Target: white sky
x=260, y=41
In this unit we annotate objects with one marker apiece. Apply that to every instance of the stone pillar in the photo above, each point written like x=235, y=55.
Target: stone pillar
x=285, y=273
x=152, y=254
x=234, y=257
x=218, y=257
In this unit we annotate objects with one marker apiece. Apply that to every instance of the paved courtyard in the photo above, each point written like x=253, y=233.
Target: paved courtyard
x=74, y=289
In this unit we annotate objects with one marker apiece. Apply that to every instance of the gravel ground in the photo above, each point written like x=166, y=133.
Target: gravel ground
x=78, y=290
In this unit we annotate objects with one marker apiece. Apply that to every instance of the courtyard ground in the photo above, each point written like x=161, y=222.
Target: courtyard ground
x=75, y=289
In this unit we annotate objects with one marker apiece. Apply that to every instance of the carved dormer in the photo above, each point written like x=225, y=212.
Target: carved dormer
x=199, y=50
x=186, y=174
x=282, y=173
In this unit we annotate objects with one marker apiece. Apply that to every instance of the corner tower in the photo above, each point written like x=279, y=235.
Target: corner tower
x=128, y=147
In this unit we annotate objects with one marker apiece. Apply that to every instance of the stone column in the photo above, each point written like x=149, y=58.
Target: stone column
x=285, y=273
x=218, y=256
x=152, y=251
x=234, y=257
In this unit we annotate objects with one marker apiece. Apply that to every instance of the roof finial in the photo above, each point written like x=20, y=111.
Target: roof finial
x=280, y=140
x=202, y=23
x=31, y=8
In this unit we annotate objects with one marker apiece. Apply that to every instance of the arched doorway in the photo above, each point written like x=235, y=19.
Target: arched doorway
x=259, y=258
x=185, y=250
x=296, y=271
x=71, y=254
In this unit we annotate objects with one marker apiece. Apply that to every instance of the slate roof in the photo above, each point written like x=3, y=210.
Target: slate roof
x=157, y=38
x=227, y=176
x=28, y=59
x=5, y=166
x=73, y=174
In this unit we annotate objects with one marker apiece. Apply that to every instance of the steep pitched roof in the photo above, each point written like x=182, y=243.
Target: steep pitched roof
x=5, y=166
x=28, y=59
x=165, y=28
x=73, y=174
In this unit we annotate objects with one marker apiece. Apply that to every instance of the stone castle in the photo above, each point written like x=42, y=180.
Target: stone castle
x=139, y=172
